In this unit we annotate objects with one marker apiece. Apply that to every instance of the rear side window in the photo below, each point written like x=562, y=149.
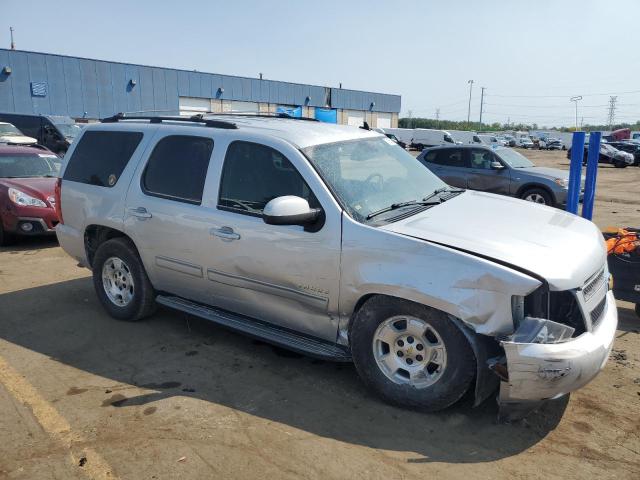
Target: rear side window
x=177, y=168
x=100, y=157
x=448, y=157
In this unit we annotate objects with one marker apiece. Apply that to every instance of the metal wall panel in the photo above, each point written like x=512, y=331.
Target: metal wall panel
x=89, y=88
x=93, y=88
x=6, y=84
x=134, y=98
x=73, y=86
x=38, y=73
x=146, y=89
x=105, y=89
x=57, y=91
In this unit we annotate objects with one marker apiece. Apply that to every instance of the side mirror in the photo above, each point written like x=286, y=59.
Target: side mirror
x=289, y=210
x=496, y=166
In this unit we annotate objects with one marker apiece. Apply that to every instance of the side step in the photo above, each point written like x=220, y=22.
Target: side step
x=267, y=332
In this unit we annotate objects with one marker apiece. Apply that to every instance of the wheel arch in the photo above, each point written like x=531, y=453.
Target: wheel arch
x=95, y=235
x=533, y=185
x=484, y=347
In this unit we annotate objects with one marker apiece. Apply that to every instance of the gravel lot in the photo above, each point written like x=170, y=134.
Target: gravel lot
x=85, y=396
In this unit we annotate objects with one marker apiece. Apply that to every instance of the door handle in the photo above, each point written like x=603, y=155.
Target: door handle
x=225, y=233
x=139, y=212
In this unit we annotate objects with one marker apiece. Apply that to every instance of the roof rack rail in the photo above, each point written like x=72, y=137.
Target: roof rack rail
x=156, y=119
x=262, y=114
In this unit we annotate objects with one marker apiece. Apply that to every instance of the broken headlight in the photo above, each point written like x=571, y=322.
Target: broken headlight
x=541, y=330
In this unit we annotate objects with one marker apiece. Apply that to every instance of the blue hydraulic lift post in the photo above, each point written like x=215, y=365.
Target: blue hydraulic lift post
x=592, y=173
x=575, y=172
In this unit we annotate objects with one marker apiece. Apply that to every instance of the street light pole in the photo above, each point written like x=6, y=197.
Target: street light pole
x=470, y=82
x=575, y=100
x=481, y=104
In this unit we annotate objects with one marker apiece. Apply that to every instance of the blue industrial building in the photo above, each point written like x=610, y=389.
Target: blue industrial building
x=82, y=88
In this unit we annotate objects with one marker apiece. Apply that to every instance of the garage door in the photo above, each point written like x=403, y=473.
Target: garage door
x=384, y=120
x=241, y=107
x=192, y=106
x=355, y=118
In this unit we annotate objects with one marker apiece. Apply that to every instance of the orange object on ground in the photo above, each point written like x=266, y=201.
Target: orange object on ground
x=623, y=242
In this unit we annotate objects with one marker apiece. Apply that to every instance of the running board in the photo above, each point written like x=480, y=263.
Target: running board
x=267, y=332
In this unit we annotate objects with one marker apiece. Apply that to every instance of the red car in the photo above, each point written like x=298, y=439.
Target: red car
x=28, y=178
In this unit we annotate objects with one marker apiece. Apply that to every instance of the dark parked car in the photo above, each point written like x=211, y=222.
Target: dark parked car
x=608, y=154
x=54, y=132
x=27, y=182
x=630, y=147
x=497, y=170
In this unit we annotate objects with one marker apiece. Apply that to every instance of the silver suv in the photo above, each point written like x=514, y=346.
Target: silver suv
x=333, y=241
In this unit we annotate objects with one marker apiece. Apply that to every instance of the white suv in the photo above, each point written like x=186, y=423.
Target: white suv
x=333, y=241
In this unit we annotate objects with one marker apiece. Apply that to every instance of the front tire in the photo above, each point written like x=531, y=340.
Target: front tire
x=537, y=195
x=121, y=282
x=411, y=355
x=620, y=164
x=5, y=237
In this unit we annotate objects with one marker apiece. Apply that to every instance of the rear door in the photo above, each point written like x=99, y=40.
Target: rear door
x=449, y=164
x=481, y=176
x=164, y=214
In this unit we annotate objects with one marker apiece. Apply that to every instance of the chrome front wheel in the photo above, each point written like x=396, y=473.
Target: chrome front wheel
x=409, y=351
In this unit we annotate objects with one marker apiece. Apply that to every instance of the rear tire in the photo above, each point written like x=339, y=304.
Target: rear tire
x=435, y=368
x=638, y=309
x=537, y=195
x=121, y=282
x=620, y=164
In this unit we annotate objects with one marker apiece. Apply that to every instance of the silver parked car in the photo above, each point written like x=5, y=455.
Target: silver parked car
x=333, y=241
x=498, y=170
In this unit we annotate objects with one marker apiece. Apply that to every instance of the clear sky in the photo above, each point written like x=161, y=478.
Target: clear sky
x=530, y=55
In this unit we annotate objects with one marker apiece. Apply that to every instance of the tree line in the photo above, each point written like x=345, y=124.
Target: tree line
x=433, y=123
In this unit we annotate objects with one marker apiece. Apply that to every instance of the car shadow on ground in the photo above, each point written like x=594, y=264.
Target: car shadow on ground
x=22, y=244
x=173, y=354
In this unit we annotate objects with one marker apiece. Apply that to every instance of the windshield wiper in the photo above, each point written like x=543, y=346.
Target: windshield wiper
x=394, y=206
x=440, y=190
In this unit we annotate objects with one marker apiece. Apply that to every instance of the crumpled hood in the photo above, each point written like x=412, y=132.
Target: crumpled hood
x=562, y=248
x=544, y=171
x=17, y=139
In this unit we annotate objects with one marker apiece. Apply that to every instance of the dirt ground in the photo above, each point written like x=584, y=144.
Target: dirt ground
x=85, y=396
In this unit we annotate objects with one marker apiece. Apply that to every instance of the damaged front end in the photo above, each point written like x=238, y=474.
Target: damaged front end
x=547, y=358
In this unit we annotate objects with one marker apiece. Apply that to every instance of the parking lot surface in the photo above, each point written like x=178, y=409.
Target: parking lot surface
x=85, y=396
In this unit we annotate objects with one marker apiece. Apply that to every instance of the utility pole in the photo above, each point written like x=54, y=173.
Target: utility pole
x=410, y=114
x=481, y=104
x=575, y=100
x=437, y=118
x=470, y=82
x=612, y=111
x=13, y=44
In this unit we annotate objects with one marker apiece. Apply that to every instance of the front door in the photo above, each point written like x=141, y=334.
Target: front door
x=165, y=217
x=481, y=176
x=283, y=274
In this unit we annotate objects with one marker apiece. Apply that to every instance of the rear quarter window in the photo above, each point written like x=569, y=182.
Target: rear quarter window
x=101, y=156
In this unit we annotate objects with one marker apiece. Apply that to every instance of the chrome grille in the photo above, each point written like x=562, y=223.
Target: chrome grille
x=598, y=312
x=593, y=285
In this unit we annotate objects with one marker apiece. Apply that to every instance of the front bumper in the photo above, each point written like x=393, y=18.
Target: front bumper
x=30, y=221
x=539, y=372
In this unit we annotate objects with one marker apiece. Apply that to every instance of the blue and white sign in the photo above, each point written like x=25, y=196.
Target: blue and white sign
x=39, y=89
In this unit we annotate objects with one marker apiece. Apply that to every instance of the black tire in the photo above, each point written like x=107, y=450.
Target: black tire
x=619, y=164
x=540, y=193
x=638, y=309
x=456, y=377
x=142, y=304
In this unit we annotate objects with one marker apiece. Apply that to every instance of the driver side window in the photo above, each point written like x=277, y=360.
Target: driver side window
x=481, y=159
x=254, y=174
